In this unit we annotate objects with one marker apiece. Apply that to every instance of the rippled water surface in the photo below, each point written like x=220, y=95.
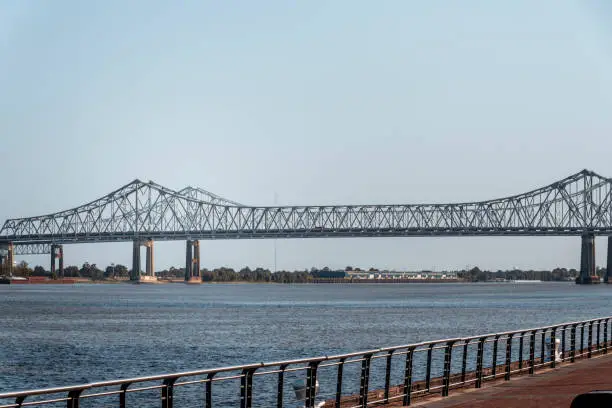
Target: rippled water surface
x=60, y=334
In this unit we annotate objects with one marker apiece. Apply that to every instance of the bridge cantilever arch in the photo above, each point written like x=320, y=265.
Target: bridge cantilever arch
x=579, y=205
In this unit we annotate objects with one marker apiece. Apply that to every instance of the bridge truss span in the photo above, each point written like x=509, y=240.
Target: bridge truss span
x=576, y=205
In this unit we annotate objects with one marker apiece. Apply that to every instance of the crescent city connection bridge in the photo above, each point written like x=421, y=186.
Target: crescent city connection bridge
x=144, y=212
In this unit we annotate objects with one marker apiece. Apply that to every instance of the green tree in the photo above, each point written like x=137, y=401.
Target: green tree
x=85, y=270
x=109, y=272
x=96, y=273
x=22, y=269
x=72, y=271
x=121, y=270
x=39, y=271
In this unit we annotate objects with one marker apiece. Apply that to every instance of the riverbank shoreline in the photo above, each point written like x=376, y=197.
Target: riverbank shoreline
x=86, y=281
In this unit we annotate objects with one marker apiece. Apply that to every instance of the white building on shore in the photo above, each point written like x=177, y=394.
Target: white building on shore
x=430, y=275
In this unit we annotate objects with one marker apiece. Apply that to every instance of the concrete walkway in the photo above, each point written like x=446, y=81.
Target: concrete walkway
x=547, y=388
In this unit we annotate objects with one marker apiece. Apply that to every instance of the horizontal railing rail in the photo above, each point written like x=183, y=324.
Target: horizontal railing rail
x=381, y=376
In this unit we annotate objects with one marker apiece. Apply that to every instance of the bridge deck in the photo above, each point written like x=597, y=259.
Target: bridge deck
x=547, y=388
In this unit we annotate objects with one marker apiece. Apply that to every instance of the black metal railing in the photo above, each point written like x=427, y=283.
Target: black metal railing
x=361, y=379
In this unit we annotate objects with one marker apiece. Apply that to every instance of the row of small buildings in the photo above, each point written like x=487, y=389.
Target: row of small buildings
x=343, y=274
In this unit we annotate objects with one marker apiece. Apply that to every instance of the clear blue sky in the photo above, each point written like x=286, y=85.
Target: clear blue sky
x=319, y=102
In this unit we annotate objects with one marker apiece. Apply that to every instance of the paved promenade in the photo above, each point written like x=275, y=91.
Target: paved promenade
x=547, y=388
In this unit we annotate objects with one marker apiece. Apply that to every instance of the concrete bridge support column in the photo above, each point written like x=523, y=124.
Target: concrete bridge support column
x=57, y=252
x=587, y=259
x=3, y=257
x=135, y=275
x=196, y=259
x=188, y=256
x=192, y=262
x=10, y=259
x=608, y=278
x=60, y=261
x=150, y=268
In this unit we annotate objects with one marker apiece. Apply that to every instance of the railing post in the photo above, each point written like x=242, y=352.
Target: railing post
x=311, y=383
x=246, y=387
x=590, y=338
x=520, y=364
x=123, y=393
x=494, y=358
x=209, y=381
x=605, y=337
x=543, y=347
x=479, y=358
x=428, y=368
x=598, y=334
x=365, y=380
x=553, y=347
x=448, y=354
x=339, y=382
x=167, y=392
x=582, y=339
x=464, y=360
x=408, y=377
x=564, y=333
x=573, y=343
x=280, y=386
x=388, y=375
x=508, y=356
x=73, y=399
x=532, y=351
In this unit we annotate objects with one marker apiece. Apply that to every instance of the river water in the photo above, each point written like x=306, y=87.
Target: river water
x=52, y=335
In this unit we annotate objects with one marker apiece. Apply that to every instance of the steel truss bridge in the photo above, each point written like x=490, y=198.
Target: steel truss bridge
x=143, y=212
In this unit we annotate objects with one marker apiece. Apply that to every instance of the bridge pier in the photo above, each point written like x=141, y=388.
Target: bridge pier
x=587, y=260
x=196, y=260
x=57, y=252
x=192, y=262
x=608, y=276
x=7, y=260
x=150, y=265
x=149, y=274
x=135, y=275
x=3, y=257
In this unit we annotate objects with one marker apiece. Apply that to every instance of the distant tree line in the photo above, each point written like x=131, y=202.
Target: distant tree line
x=246, y=274
x=557, y=274
x=222, y=274
x=87, y=270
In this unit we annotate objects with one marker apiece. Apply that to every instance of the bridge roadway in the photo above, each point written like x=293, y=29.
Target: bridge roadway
x=578, y=205
x=548, y=388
